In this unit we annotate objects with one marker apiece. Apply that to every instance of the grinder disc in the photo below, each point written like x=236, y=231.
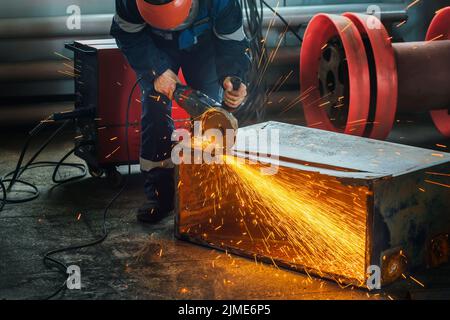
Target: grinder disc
x=225, y=122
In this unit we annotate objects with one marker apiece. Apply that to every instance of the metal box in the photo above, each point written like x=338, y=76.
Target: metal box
x=338, y=206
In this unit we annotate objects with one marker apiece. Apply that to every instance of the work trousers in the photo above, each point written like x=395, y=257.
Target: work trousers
x=199, y=69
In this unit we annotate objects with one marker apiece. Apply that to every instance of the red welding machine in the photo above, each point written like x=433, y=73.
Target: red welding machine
x=103, y=83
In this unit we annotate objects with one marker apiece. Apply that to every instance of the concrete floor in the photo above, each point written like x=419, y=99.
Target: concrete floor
x=139, y=261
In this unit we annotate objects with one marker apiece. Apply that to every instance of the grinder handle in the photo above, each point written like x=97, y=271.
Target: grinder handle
x=236, y=82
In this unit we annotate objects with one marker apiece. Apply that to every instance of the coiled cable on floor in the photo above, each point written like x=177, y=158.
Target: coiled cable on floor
x=61, y=266
x=31, y=164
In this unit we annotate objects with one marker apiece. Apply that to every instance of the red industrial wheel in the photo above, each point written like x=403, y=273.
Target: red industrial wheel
x=383, y=68
x=334, y=76
x=440, y=30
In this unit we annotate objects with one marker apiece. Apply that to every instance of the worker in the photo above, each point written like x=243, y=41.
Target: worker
x=206, y=39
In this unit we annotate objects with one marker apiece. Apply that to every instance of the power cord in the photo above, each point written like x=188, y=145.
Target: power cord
x=62, y=267
x=31, y=164
x=3, y=199
x=288, y=26
x=254, y=107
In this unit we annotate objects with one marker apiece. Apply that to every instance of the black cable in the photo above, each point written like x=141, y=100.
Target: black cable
x=61, y=163
x=283, y=20
x=31, y=134
x=19, y=170
x=254, y=106
x=61, y=265
x=41, y=148
x=3, y=199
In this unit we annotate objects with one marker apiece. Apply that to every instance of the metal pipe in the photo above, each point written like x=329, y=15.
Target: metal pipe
x=26, y=50
x=13, y=115
x=286, y=55
x=99, y=24
x=301, y=15
x=36, y=88
x=92, y=24
x=423, y=79
x=41, y=70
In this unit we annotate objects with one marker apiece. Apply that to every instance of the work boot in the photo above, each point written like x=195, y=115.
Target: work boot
x=159, y=188
x=150, y=212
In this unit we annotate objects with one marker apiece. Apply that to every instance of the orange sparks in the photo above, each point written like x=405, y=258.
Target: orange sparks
x=114, y=151
x=440, y=155
x=78, y=216
x=113, y=138
x=417, y=281
x=184, y=290
x=277, y=219
x=157, y=98
x=67, y=73
x=412, y=4
x=346, y=27
x=438, y=183
x=441, y=145
x=62, y=56
x=439, y=174
x=70, y=67
x=401, y=23
x=436, y=38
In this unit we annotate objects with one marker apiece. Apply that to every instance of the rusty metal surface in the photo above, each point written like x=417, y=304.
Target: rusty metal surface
x=250, y=222
x=366, y=157
x=423, y=75
x=331, y=190
x=411, y=211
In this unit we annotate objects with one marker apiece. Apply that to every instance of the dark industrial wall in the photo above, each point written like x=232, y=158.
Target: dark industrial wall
x=33, y=33
x=30, y=34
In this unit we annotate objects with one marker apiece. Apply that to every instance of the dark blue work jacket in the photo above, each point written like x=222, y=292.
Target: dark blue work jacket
x=218, y=21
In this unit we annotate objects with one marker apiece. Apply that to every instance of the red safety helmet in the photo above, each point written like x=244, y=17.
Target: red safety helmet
x=171, y=15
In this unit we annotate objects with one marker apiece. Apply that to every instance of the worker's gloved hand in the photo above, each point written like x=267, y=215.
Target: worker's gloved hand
x=166, y=83
x=233, y=98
